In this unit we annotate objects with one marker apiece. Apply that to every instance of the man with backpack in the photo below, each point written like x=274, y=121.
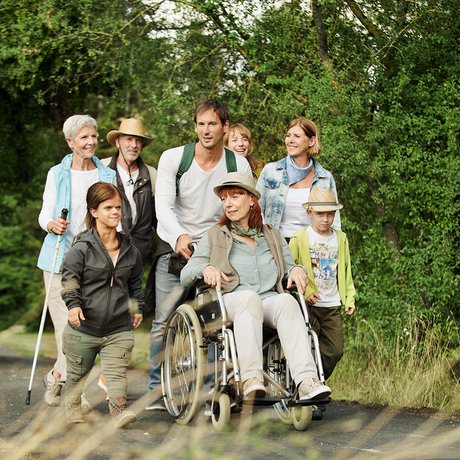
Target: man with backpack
x=186, y=207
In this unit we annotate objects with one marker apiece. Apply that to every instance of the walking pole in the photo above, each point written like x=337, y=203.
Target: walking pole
x=64, y=213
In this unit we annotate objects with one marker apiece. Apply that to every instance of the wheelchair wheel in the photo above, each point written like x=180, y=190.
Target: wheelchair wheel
x=276, y=370
x=221, y=416
x=301, y=417
x=183, y=364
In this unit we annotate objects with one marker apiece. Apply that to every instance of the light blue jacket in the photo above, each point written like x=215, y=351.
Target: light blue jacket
x=62, y=179
x=273, y=186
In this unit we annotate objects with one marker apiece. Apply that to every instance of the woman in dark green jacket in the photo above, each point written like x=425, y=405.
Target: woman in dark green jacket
x=102, y=289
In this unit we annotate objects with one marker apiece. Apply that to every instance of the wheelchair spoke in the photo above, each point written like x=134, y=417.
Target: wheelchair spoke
x=183, y=365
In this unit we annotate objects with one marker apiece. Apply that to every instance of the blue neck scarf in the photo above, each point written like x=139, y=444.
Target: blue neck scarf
x=296, y=174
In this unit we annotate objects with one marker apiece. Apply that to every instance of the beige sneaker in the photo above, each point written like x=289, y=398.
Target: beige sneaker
x=254, y=387
x=53, y=389
x=312, y=388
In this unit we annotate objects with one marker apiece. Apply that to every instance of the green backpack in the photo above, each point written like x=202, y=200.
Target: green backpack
x=187, y=158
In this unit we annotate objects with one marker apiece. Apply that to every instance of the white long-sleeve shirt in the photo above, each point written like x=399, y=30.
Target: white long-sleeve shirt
x=81, y=182
x=196, y=208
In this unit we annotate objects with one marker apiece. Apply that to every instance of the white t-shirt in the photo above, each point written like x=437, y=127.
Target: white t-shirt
x=81, y=181
x=128, y=187
x=324, y=253
x=294, y=215
x=196, y=208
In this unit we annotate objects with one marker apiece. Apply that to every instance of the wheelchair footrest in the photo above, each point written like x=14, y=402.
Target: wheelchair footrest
x=308, y=402
x=264, y=401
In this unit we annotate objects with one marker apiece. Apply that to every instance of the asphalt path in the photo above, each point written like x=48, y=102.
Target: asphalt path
x=36, y=431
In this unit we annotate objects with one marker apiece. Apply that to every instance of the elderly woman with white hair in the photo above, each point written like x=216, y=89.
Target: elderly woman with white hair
x=66, y=186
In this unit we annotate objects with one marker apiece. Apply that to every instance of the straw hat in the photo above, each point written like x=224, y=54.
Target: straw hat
x=238, y=179
x=129, y=127
x=322, y=200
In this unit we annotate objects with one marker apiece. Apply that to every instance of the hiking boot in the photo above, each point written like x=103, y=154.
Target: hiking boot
x=85, y=405
x=254, y=388
x=312, y=388
x=121, y=415
x=53, y=389
x=74, y=414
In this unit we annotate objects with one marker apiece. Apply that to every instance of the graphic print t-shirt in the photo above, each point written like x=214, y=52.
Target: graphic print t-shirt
x=324, y=261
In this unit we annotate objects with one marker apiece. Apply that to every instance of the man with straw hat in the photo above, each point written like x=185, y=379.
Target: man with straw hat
x=136, y=182
x=324, y=253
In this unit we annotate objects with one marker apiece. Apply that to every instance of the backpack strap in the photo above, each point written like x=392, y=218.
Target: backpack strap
x=230, y=160
x=185, y=162
x=187, y=158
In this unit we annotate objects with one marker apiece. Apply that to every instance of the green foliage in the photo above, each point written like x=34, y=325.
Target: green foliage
x=384, y=371
x=19, y=282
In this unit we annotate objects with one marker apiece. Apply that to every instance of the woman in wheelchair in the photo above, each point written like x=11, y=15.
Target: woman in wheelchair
x=247, y=262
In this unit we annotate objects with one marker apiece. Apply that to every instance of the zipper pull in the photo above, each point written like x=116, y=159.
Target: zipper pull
x=111, y=281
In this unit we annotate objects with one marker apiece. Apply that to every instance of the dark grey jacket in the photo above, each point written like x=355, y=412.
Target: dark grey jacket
x=142, y=230
x=107, y=295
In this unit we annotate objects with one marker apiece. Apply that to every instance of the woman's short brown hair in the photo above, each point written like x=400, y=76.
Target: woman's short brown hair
x=97, y=193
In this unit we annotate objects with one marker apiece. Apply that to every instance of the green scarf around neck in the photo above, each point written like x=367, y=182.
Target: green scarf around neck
x=240, y=231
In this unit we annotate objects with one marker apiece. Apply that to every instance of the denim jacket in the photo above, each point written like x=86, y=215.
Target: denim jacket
x=273, y=186
x=62, y=178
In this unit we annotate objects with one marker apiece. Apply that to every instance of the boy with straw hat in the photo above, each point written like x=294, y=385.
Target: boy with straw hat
x=324, y=253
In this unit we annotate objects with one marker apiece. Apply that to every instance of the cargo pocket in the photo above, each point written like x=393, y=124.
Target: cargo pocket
x=74, y=365
x=126, y=348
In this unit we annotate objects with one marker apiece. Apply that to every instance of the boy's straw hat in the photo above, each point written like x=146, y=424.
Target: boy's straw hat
x=238, y=179
x=130, y=127
x=322, y=200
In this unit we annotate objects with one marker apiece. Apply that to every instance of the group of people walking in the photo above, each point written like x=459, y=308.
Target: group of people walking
x=124, y=216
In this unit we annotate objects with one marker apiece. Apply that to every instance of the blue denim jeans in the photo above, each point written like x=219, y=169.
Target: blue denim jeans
x=168, y=295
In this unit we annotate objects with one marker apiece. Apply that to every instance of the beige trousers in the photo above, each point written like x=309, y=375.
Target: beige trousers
x=281, y=312
x=59, y=314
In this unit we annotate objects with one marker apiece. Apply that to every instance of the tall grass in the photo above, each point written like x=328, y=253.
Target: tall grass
x=413, y=368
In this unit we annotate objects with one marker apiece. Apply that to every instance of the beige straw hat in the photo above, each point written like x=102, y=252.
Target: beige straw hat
x=238, y=179
x=129, y=127
x=322, y=200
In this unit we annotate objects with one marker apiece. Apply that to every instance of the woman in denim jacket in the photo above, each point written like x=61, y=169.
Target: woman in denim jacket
x=285, y=184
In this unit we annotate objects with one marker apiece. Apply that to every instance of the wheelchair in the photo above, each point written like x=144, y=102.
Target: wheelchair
x=201, y=326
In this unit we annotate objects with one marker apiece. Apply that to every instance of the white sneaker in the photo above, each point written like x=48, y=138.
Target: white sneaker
x=156, y=405
x=312, y=388
x=53, y=389
x=254, y=387
x=85, y=405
